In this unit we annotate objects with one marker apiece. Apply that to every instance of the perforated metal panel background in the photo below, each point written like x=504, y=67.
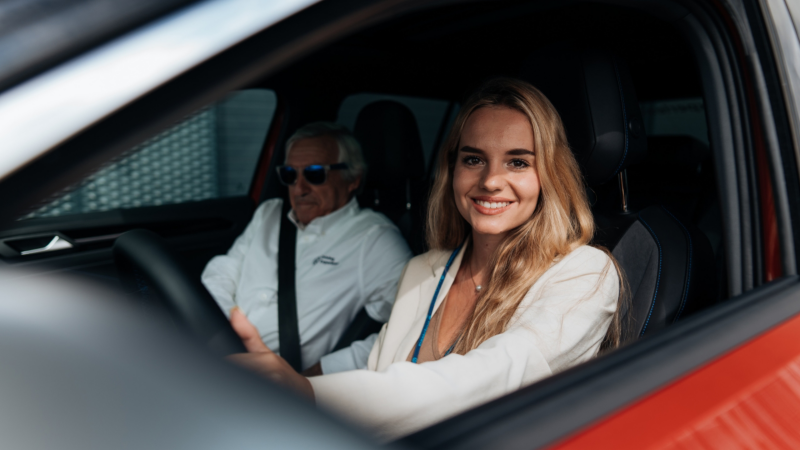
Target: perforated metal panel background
x=210, y=154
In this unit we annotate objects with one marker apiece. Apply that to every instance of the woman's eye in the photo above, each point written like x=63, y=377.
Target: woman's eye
x=519, y=163
x=471, y=160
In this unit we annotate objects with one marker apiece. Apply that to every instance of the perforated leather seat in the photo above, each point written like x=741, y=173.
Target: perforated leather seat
x=670, y=269
x=389, y=137
x=668, y=263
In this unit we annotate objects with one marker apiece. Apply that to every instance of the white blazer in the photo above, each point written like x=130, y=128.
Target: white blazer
x=561, y=322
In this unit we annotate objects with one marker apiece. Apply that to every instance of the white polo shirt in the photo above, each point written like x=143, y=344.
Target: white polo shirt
x=349, y=259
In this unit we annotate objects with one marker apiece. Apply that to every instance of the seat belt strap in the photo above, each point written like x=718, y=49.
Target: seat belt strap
x=288, y=332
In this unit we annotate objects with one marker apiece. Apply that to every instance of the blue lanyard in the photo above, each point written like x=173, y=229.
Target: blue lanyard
x=430, y=308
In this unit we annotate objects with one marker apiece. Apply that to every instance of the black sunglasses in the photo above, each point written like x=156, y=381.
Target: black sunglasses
x=315, y=174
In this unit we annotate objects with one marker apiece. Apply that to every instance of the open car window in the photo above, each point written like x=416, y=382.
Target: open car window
x=676, y=117
x=211, y=154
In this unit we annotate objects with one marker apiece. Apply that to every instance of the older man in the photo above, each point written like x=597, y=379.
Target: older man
x=346, y=258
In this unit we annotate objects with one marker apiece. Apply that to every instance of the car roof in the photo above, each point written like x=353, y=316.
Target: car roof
x=36, y=35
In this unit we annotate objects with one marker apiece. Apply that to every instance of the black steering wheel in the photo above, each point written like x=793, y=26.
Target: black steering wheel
x=149, y=267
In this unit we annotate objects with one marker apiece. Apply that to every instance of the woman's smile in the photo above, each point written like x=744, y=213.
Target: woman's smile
x=491, y=205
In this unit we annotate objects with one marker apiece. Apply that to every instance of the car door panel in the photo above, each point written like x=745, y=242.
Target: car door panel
x=198, y=230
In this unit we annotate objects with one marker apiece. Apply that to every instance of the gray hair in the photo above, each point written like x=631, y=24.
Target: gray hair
x=349, y=148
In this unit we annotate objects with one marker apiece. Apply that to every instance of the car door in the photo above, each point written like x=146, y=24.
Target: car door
x=747, y=120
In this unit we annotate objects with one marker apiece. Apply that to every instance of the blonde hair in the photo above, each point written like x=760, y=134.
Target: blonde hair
x=561, y=221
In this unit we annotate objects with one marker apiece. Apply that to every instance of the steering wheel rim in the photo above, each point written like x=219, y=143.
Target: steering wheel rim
x=151, y=268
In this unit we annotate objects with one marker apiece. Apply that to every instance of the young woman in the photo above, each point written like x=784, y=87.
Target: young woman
x=510, y=291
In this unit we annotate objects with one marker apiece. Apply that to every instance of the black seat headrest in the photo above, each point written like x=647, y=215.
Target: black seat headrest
x=593, y=92
x=388, y=133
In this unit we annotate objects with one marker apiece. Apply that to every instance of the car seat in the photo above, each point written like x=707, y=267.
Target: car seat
x=394, y=186
x=668, y=263
x=678, y=174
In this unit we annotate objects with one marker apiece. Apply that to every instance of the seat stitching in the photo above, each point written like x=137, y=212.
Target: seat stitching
x=658, y=278
x=689, y=276
x=624, y=120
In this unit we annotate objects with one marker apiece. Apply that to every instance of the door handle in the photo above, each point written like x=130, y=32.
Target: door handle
x=56, y=243
x=33, y=244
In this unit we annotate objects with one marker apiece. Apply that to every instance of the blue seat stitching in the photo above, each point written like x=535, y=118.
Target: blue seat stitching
x=658, y=278
x=624, y=120
x=689, y=277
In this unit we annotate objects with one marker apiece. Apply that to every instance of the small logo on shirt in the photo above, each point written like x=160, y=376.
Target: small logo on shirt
x=325, y=260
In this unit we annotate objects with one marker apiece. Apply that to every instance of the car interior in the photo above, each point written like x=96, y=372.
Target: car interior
x=626, y=83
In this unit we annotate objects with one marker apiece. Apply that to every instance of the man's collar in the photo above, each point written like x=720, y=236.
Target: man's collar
x=322, y=224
